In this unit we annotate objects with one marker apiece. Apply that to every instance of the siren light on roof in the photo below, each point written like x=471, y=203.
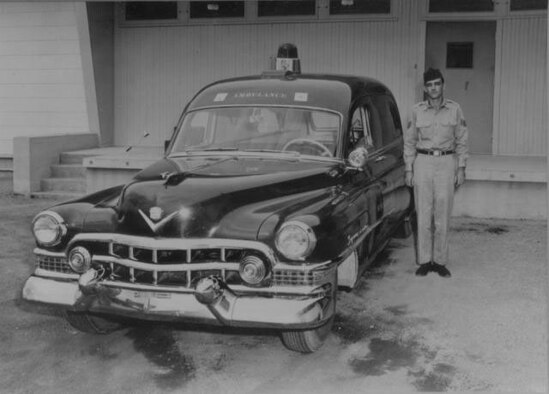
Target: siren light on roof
x=287, y=59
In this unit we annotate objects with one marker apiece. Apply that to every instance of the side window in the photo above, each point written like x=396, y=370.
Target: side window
x=396, y=118
x=359, y=133
x=389, y=128
x=376, y=127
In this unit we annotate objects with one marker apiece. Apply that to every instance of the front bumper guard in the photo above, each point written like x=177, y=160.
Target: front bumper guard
x=210, y=302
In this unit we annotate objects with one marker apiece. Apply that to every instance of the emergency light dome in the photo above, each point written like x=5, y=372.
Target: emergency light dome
x=286, y=58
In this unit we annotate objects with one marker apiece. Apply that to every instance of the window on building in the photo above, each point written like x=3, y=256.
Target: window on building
x=461, y=6
x=150, y=10
x=459, y=55
x=357, y=7
x=528, y=5
x=216, y=9
x=286, y=8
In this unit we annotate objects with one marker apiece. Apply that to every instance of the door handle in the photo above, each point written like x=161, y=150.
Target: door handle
x=380, y=158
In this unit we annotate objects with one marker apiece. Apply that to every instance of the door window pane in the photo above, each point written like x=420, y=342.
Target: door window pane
x=387, y=128
x=353, y=7
x=217, y=9
x=528, y=5
x=459, y=55
x=286, y=8
x=461, y=5
x=150, y=10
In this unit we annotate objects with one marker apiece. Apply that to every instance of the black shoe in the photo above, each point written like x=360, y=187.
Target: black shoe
x=423, y=269
x=441, y=270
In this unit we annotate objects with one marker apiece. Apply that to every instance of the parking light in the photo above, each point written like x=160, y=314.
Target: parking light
x=80, y=259
x=252, y=269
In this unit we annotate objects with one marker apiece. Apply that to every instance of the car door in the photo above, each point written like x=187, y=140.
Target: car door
x=365, y=188
x=387, y=161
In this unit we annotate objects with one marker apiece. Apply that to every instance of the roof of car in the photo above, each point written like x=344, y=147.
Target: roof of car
x=329, y=91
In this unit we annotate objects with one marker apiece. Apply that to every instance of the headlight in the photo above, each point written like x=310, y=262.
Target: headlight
x=48, y=228
x=295, y=240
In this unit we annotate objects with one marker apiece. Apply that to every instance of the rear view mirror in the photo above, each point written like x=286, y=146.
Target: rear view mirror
x=357, y=158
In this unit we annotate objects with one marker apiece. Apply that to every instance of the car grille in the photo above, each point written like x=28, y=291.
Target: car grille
x=169, y=266
x=177, y=262
x=56, y=264
x=293, y=277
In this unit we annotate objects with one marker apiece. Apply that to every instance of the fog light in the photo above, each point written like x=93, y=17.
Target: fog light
x=80, y=259
x=252, y=269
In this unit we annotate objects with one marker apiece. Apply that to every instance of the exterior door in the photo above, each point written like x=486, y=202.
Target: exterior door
x=465, y=54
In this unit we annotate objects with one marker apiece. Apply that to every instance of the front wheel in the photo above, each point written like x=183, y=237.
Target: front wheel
x=92, y=324
x=307, y=341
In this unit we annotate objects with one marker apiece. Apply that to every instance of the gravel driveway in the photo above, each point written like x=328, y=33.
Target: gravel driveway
x=484, y=329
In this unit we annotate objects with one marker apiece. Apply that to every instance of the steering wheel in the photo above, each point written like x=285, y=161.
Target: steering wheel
x=324, y=151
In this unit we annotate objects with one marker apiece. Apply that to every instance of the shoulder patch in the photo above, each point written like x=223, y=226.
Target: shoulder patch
x=463, y=123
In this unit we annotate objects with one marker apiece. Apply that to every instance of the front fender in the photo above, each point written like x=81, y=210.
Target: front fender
x=334, y=220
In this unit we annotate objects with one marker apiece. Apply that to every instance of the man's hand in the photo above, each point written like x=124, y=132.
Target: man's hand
x=460, y=176
x=409, y=178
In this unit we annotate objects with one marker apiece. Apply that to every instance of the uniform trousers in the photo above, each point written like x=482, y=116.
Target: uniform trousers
x=434, y=186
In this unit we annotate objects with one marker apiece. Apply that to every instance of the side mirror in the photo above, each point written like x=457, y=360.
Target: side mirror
x=357, y=158
x=166, y=145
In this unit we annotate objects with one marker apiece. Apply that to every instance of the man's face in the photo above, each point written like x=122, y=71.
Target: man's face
x=434, y=88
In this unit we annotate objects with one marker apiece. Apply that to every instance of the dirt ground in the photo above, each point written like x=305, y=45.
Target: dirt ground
x=484, y=329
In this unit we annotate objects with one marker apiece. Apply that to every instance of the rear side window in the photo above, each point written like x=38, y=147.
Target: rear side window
x=389, y=119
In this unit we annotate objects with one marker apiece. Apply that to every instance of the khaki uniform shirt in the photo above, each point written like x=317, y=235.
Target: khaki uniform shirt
x=444, y=129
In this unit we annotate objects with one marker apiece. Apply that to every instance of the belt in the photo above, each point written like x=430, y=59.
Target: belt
x=435, y=152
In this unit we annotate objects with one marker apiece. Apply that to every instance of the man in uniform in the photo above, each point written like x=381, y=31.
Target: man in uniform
x=435, y=153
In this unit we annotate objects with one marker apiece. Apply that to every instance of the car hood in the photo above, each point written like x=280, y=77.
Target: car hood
x=220, y=197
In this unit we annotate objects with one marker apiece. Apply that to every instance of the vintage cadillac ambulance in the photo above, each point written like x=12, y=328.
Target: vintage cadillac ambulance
x=275, y=191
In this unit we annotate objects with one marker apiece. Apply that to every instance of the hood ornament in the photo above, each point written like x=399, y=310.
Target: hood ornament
x=155, y=214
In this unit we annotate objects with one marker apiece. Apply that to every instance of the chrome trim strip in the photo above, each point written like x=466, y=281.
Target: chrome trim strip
x=53, y=274
x=302, y=291
x=303, y=267
x=43, y=252
x=132, y=264
x=174, y=243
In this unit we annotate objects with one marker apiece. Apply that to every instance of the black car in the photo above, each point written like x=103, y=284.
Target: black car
x=275, y=191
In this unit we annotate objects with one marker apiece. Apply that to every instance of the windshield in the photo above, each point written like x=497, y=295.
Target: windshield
x=306, y=131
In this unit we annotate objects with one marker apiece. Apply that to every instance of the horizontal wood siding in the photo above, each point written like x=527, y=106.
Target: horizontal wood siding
x=158, y=69
x=522, y=121
x=41, y=79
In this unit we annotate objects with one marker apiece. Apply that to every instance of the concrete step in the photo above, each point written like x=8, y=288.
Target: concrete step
x=73, y=185
x=56, y=195
x=74, y=157
x=68, y=171
x=6, y=163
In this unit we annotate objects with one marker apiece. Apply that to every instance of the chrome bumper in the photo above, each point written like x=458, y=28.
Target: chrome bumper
x=211, y=302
